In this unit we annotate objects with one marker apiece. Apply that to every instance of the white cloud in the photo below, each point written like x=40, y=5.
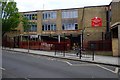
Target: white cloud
x=32, y=5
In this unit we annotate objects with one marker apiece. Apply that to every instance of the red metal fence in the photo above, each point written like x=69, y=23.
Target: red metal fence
x=101, y=45
x=48, y=45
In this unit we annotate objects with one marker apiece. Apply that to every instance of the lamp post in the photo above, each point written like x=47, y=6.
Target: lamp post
x=81, y=42
x=108, y=8
x=64, y=46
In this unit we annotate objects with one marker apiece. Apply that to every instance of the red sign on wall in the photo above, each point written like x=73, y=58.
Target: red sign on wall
x=96, y=22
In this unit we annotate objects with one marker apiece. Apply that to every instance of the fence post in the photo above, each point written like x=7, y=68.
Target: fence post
x=28, y=44
x=92, y=48
x=64, y=46
x=55, y=49
x=80, y=46
x=93, y=55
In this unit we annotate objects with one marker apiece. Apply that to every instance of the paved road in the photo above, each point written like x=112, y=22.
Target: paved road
x=21, y=65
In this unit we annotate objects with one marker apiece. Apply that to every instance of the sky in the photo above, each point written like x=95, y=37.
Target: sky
x=33, y=5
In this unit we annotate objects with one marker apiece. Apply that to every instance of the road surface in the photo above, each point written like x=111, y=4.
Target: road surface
x=21, y=65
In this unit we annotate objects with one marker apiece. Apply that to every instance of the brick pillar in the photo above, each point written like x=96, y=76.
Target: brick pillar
x=59, y=21
x=39, y=23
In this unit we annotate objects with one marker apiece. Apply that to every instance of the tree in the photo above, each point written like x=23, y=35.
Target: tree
x=10, y=16
x=25, y=23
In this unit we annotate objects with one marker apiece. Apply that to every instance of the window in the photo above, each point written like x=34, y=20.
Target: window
x=70, y=26
x=43, y=28
x=63, y=27
x=34, y=16
x=54, y=27
x=70, y=13
x=76, y=26
x=33, y=27
x=49, y=27
x=43, y=15
x=31, y=16
x=49, y=15
x=46, y=28
x=46, y=16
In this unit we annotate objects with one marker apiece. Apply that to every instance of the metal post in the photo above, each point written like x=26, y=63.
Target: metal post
x=28, y=44
x=93, y=49
x=71, y=41
x=80, y=47
x=64, y=46
x=93, y=55
x=55, y=49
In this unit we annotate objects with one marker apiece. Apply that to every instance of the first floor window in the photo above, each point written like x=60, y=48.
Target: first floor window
x=48, y=27
x=32, y=27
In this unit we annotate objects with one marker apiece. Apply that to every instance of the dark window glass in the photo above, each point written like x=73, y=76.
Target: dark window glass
x=76, y=26
x=36, y=27
x=35, y=16
x=46, y=16
x=42, y=27
x=30, y=17
x=48, y=27
x=54, y=26
x=43, y=16
x=49, y=15
x=63, y=27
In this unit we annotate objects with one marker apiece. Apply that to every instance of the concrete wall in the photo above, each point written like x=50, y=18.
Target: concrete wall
x=115, y=18
x=115, y=9
x=115, y=46
x=94, y=33
x=91, y=12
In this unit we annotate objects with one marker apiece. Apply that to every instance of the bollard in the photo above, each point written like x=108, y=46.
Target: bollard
x=55, y=49
x=93, y=50
x=93, y=56
x=80, y=53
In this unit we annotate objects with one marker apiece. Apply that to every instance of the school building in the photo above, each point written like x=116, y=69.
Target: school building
x=85, y=26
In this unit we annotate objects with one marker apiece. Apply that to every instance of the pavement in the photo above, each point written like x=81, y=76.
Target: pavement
x=98, y=59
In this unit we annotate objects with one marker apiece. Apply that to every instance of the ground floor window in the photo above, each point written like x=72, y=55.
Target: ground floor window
x=70, y=26
x=32, y=27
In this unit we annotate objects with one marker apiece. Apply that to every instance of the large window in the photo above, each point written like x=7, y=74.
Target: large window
x=70, y=13
x=49, y=15
x=31, y=16
x=32, y=27
x=49, y=27
x=70, y=26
